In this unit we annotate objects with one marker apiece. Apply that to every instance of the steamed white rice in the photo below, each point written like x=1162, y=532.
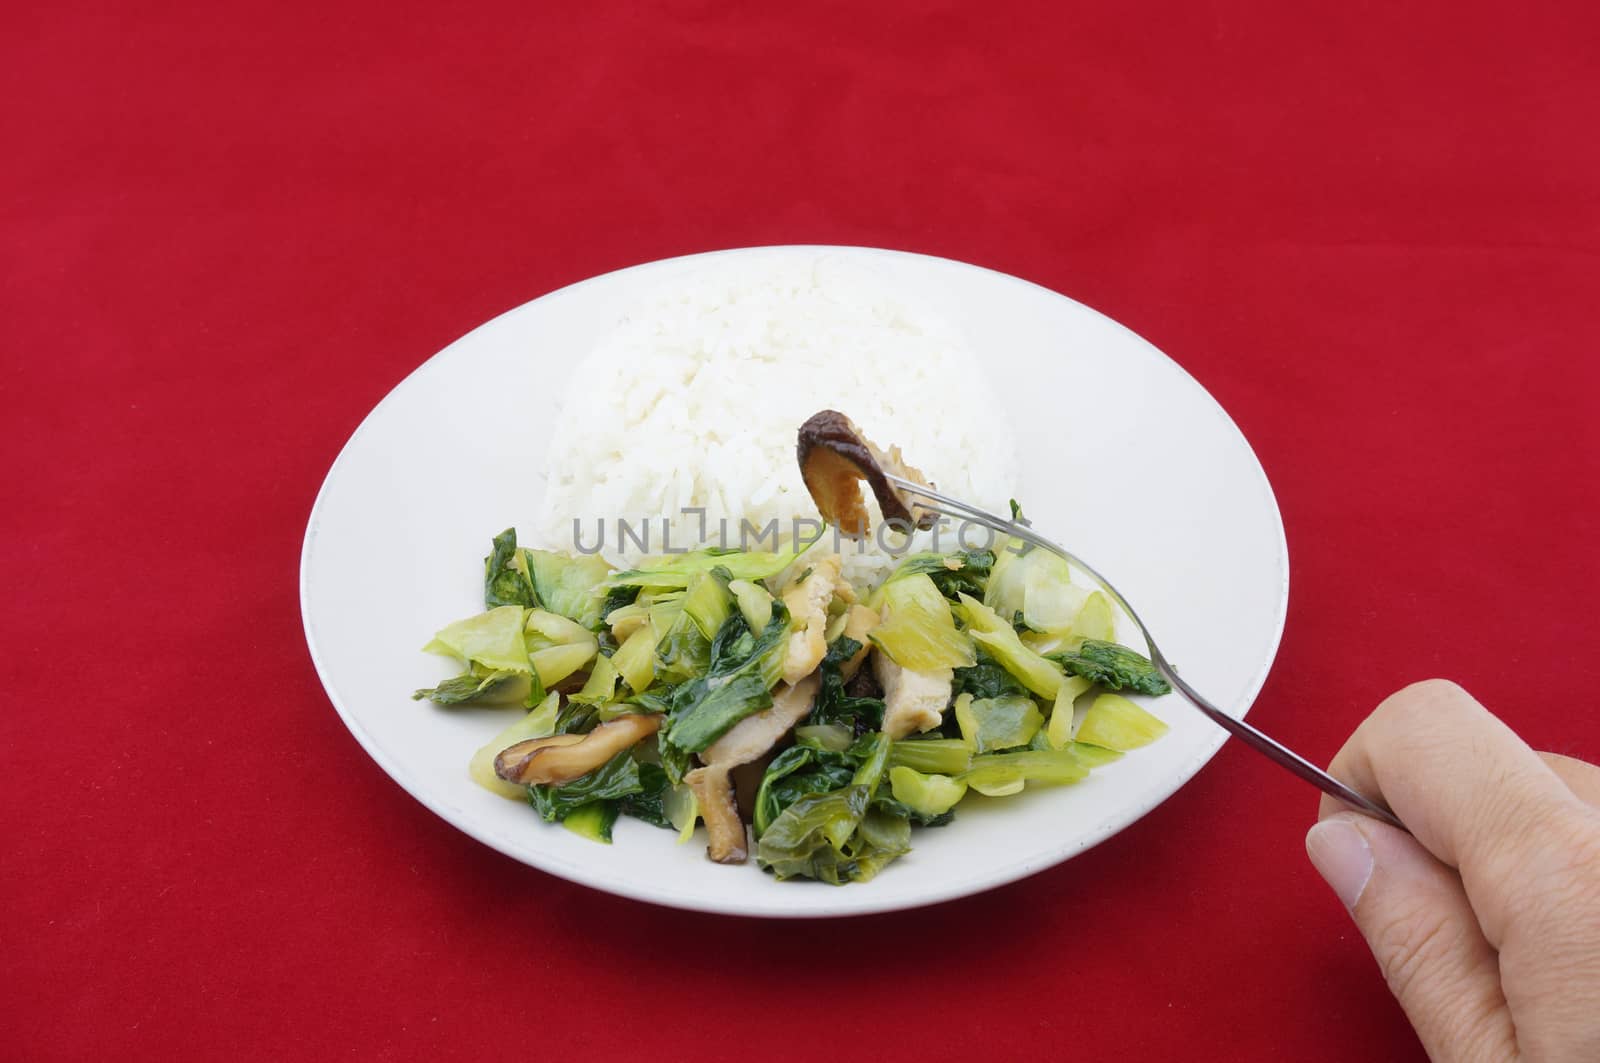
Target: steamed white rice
x=695, y=399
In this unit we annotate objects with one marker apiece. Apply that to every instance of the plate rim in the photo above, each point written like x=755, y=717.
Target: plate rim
x=989, y=879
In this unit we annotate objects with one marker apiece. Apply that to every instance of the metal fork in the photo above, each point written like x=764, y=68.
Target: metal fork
x=945, y=506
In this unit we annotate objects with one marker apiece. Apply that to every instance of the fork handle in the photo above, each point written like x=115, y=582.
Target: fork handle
x=1275, y=751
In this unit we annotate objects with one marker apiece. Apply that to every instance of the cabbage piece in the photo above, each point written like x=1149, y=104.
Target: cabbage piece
x=1050, y=602
x=1007, y=581
x=601, y=686
x=545, y=629
x=754, y=602
x=540, y=723
x=507, y=579
x=493, y=640
x=706, y=601
x=1039, y=675
x=927, y=795
x=557, y=646
x=635, y=659
x=478, y=687
x=682, y=809
x=1114, y=667
x=999, y=774
x=940, y=756
x=650, y=803
x=1114, y=722
x=965, y=571
x=804, y=768
x=835, y=837
x=573, y=586
x=1093, y=756
x=738, y=681
x=990, y=724
x=986, y=679
x=627, y=619
x=556, y=663
x=918, y=632
x=682, y=652
x=676, y=570
x=830, y=736
x=1059, y=733
x=593, y=821
x=1096, y=619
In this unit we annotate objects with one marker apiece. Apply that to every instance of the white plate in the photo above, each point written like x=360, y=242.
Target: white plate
x=1126, y=459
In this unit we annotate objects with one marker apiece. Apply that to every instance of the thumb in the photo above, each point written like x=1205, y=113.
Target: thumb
x=1417, y=920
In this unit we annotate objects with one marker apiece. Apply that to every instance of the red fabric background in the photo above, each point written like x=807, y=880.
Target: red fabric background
x=228, y=230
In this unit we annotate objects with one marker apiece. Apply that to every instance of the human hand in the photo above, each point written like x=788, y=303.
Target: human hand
x=1486, y=918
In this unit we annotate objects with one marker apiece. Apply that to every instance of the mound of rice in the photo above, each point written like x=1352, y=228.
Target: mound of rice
x=695, y=399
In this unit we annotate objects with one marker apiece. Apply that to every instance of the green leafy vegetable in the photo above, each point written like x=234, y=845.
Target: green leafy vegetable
x=1114, y=722
x=930, y=796
x=675, y=571
x=649, y=803
x=593, y=821
x=1095, y=620
x=840, y=835
x=796, y=772
x=830, y=736
x=617, y=598
x=963, y=572
x=539, y=723
x=601, y=686
x=939, y=756
x=833, y=705
x=754, y=601
x=833, y=837
x=573, y=586
x=1039, y=675
x=707, y=602
x=738, y=682
x=1059, y=733
x=1114, y=667
x=986, y=679
x=1050, y=601
x=996, y=774
x=682, y=651
x=557, y=646
x=635, y=659
x=477, y=688
x=990, y=724
x=617, y=777
x=506, y=579
x=919, y=632
x=492, y=639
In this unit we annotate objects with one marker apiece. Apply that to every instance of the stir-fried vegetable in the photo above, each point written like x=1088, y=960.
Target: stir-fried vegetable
x=737, y=682
x=477, y=687
x=1114, y=667
x=492, y=640
x=574, y=587
x=918, y=632
x=990, y=724
x=647, y=687
x=1039, y=675
x=1114, y=722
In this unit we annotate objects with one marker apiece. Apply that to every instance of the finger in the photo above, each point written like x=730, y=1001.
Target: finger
x=1472, y=792
x=1581, y=777
x=1416, y=919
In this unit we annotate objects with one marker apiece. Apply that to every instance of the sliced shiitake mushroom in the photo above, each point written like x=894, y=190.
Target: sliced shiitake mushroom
x=559, y=759
x=748, y=740
x=835, y=457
